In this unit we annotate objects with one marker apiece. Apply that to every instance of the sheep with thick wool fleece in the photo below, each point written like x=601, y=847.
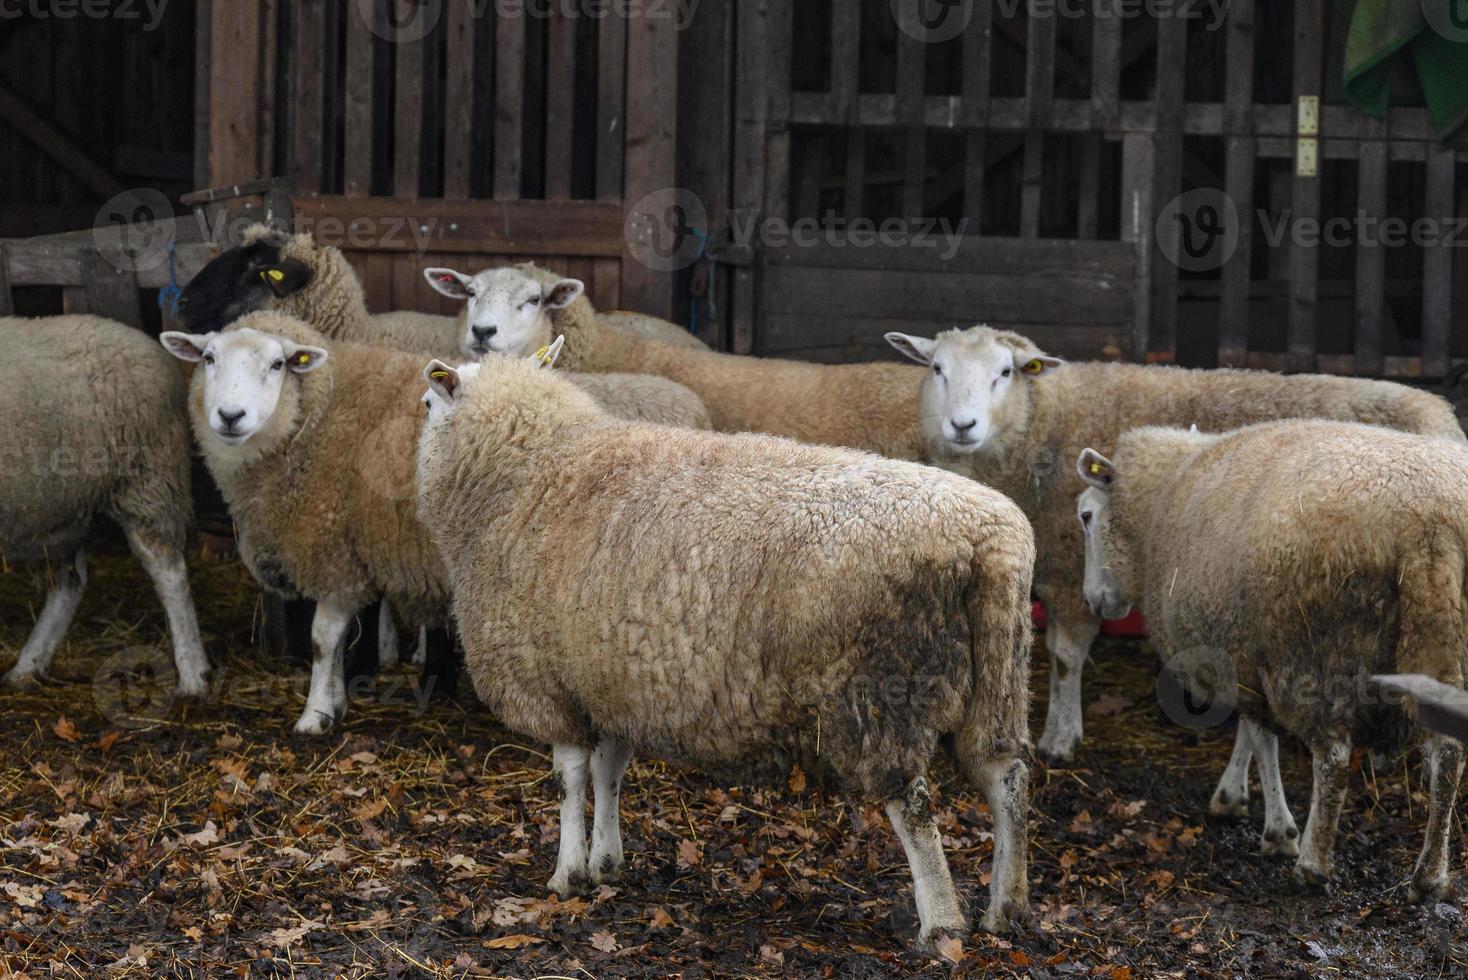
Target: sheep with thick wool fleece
x=858, y=406
x=94, y=425
x=1306, y=556
x=735, y=602
x=997, y=408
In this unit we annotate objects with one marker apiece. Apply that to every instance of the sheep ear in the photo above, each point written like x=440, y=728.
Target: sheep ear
x=454, y=285
x=1096, y=470
x=286, y=277
x=1034, y=363
x=302, y=359
x=919, y=349
x=564, y=293
x=185, y=346
x=442, y=379
x=547, y=356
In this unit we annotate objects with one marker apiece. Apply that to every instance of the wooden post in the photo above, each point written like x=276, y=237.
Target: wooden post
x=238, y=35
x=652, y=124
x=1305, y=196
x=751, y=106
x=1437, y=261
x=7, y=302
x=110, y=291
x=1238, y=183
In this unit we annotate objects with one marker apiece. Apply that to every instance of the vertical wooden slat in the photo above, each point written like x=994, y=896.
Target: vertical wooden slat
x=7, y=302
x=203, y=75
x=408, y=117
x=1040, y=102
x=460, y=56
x=1138, y=214
x=611, y=108
x=606, y=284
x=1238, y=124
x=651, y=155
x=1106, y=65
x=780, y=38
x=845, y=79
x=977, y=37
x=560, y=106
x=751, y=106
x=705, y=147
x=1437, y=262
x=234, y=91
x=1088, y=197
x=1167, y=182
x=912, y=54
x=1305, y=195
x=1370, y=286
x=111, y=292
x=357, y=96
x=509, y=96
x=265, y=155
x=307, y=87
x=856, y=172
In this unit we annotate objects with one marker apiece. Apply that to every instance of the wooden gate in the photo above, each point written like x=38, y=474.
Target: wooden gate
x=465, y=133
x=1062, y=142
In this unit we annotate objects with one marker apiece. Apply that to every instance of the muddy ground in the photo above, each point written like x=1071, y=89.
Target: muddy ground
x=416, y=840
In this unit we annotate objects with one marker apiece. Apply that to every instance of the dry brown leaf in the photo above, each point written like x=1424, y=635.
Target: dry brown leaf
x=604, y=941
x=65, y=730
x=515, y=941
x=951, y=949
x=284, y=938
x=797, y=780
x=690, y=854
x=660, y=918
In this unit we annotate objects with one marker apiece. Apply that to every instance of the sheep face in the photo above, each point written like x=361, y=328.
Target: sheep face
x=254, y=276
x=977, y=380
x=1108, y=561
x=507, y=309
x=244, y=375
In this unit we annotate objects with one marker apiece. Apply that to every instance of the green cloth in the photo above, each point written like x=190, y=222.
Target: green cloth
x=1393, y=56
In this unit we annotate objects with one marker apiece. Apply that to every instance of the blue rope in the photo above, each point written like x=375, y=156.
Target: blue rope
x=169, y=295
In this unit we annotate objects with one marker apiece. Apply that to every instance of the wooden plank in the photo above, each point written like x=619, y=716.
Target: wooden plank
x=111, y=292
x=842, y=339
x=751, y=106
x=778, y=84
x=1370, y=298
x=357, y=96
x=509, y=97
x=585, y=228
x=1233, y=311
x=975, y=88
x=856, y=171
x=606, y=284
x=1437, y=262
x=651, y=149
x=1137, y=224
x=306, y=84
x=705, y=147
x=1040, y=69
x=461, y=52
x=1106, y=66
x=611, y=107
x=56, y=145
x=845, y=58
x=1088, y=196
x=1045, y=259
x=1305, y=196
x=408, y=117
x=1167, y=182
x=265, y=155
x=560, y=110
x=911, y=74
x=203, y=55
x=234, y=91
x=7, y=301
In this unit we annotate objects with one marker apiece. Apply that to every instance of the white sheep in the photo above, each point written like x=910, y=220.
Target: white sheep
x=859, y=406
x=505, y=311
x=94, y=425
x=737, y=602
x=1301, y=557
x=313, y=450
x=997, y=408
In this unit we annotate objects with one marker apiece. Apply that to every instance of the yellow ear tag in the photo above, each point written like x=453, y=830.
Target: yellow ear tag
x=1096, y=468
x=276, y=275
x=303, y=359
x=543, y=355
x=438, y=375
x=1035, y=366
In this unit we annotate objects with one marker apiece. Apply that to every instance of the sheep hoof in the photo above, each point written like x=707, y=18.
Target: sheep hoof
x=1059, y=750
x=22, y=680
x=927, y=943
x=1424, y=890
x=197, y=687
x=606, y=869
x=1311, y=878
x=1010, y=918
x=1277, y=843
x=1224, y=805
x=314, y=722
x=566, y=883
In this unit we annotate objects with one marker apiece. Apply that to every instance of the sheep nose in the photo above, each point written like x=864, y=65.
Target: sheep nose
x=964, y=426
x=484, y=333
x=230, y=418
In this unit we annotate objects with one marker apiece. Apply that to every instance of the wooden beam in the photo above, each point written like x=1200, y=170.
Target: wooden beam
x=236, y=40
x=1233, y=308
x=57, y=145
x=652, y=125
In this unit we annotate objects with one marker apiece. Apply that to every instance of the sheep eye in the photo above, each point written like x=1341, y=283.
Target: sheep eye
x=208, y=358
x=277, y=365
x=1006, y=372
x=937, y=370
x=1086, y=516
x=533, y=301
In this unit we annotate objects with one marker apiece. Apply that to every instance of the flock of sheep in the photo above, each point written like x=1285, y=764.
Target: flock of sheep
x=745, y=564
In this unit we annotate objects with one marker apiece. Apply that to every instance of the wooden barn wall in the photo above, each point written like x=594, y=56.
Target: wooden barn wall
x=113, y=90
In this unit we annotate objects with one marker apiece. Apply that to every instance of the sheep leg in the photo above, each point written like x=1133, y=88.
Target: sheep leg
x=1006, y=786
x=170, y=575
x=420, y=652
x=327, y=701
x=1231, y=798
x=608, y=763
x=387, y=637
x=1328, y=794
x=1445, y=765
x=1281, y=836
x=932, y=886
x=51, y=626
x=1068, y=643
x=571, y=765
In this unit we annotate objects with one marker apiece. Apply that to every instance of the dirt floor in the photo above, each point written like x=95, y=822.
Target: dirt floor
x=415, y=840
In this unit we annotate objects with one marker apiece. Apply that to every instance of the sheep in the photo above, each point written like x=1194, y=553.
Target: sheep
x=295, y=275
x=997, y=408
x=1305, y=556
x=736, y=602
x=858, y=406
x=504, y=303
x=311, y=444
x=94, y=425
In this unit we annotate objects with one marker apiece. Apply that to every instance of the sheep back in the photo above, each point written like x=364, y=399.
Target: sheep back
x=644, y=398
